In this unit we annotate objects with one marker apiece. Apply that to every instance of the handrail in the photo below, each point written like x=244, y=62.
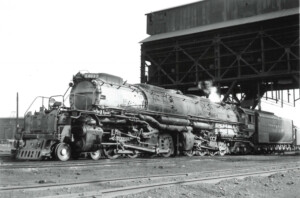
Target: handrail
x=65, y=94
x=67, y=97
x=33, y=102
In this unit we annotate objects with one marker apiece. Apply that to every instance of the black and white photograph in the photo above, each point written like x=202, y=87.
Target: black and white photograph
x=150, y=99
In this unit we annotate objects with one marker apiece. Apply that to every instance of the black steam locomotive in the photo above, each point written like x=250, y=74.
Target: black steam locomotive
x=109, y=117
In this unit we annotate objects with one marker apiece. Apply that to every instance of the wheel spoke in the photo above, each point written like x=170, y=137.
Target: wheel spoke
x=166, y=142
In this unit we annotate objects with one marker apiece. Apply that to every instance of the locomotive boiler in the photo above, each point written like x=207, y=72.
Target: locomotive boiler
x=110, y=117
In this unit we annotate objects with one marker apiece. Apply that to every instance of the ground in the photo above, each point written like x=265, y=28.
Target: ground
x=279, y=185
x=285, y=184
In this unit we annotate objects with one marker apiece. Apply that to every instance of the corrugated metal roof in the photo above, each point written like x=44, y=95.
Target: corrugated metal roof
x=174, y=7
x=236, y=22
x=12, y=118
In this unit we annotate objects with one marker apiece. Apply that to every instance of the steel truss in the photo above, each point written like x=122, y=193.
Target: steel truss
x=245, y=61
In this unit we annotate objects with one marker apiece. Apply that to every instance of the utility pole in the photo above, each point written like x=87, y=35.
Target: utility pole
x=17, y=114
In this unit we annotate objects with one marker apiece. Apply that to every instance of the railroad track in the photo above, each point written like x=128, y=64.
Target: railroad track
x=185, y=178
x=107, y=162
x=104, y=162
x=141, y=188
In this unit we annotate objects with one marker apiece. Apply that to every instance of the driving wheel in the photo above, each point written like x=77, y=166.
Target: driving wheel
x=189, y=153
x=132, y=155
x=222, y=152
x=201, y=152
x=166, y=142
x=110, y=153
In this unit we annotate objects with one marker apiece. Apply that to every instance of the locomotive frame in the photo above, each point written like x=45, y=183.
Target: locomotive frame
x=109, y=117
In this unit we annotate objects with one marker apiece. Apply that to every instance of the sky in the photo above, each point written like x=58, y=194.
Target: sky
x=44, y=43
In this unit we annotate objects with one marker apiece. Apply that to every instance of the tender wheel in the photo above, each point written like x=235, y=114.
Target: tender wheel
x=133, y=155
x=166, y=142
x=110, y=153
x=189, y=153
x=95, y=155
x=63, y=152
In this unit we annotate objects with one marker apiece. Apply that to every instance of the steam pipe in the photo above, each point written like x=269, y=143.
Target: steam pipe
x=202, y=125
x=197, y=125
x=164, y=126
x=175, y=121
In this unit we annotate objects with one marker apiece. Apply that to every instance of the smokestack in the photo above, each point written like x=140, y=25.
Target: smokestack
x=214, y=96
x=206, y=88
x=209, y=90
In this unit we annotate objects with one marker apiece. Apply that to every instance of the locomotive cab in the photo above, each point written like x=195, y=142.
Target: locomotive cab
x=297, y=136
x=248, y=120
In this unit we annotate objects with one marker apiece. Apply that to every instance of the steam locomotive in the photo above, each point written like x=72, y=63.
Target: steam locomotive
x=109, y=117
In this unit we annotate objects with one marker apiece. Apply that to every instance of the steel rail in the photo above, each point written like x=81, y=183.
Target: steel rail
x=105, y=162
x=140, y=188
x=100, y=162
x=71, y=165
